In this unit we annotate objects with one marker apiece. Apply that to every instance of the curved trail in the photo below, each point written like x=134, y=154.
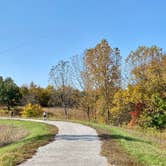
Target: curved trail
x=74, y=145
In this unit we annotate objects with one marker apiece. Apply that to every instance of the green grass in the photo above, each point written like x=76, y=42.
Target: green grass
x=139, y=149
x=144, y=151
x=38, y=134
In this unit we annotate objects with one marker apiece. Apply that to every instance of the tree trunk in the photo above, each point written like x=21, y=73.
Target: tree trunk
x=65, y=110
x=88, y=114
x=95, y=116
x=8, y=107
x=108, y=116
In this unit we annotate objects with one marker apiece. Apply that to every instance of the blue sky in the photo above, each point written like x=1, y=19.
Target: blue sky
x=36, y=34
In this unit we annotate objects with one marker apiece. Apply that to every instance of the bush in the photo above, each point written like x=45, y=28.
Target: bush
x=155, y=114
x=32, y=110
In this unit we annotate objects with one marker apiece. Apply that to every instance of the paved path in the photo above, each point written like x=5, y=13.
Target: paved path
x=74, y=145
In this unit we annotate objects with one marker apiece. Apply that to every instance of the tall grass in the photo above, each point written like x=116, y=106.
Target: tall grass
x=152, y=135
x=19, y=149
x=73, y=114
x=4, y=112
x=11, y=134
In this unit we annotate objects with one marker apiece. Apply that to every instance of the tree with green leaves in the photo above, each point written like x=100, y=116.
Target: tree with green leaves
x=9, y=93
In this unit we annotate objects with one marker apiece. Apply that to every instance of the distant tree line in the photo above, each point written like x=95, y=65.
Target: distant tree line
x=47, y=97
x=12, y=95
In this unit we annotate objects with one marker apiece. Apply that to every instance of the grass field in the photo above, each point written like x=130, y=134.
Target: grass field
x=123, y=147
x=16, y=152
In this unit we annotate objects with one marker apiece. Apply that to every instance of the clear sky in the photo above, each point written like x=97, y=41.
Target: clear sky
x=36, y=34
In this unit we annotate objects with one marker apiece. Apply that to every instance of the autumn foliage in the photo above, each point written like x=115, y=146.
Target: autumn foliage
x=97, y=84
x=32, y=110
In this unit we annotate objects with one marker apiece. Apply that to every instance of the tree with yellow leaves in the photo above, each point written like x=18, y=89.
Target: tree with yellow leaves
x=103, y=66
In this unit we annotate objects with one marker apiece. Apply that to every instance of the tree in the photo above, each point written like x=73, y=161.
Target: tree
x=44, y=95
x=83, y=81
x=147, y=70
x=155, y=114
x=55, y=98
x=60, y=78
x=121, y=107
x=9, y=93
x=78, y=67
x=103, y=66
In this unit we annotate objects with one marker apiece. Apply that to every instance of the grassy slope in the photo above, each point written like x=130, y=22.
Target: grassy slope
x=39, y=134
x=144, y=152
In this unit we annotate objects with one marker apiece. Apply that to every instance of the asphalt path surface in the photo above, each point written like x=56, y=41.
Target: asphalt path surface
x=74, y=145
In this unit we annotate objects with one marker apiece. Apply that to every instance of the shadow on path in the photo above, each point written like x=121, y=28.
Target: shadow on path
x=102, y=137
x=77, y=137
x=117, y=137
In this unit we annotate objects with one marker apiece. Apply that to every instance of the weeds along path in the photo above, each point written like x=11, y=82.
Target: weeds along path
x=74, y=145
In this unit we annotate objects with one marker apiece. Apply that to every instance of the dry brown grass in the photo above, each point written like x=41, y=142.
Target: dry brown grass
x=11, y=134
x=4, y=112
x=39, y=134
x=73, y=114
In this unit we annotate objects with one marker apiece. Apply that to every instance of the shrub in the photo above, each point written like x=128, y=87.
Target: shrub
x=155, y=114
x=32, y=110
